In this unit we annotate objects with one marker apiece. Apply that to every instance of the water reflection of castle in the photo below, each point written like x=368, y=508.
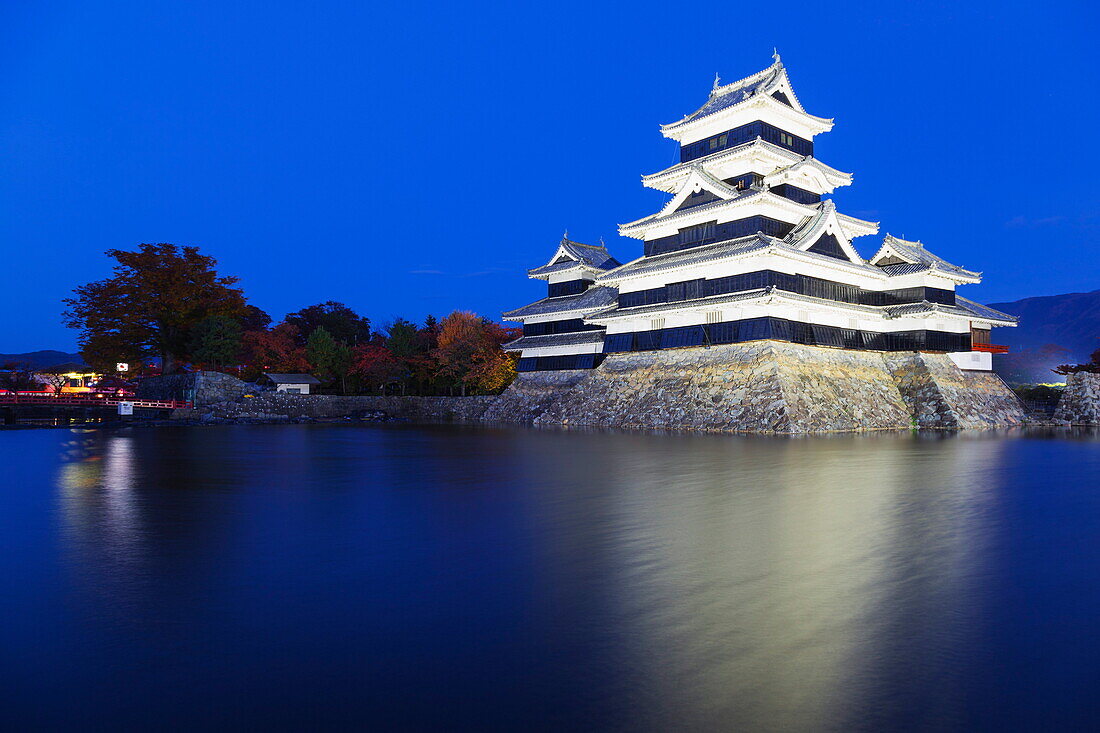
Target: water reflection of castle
x=775, y=584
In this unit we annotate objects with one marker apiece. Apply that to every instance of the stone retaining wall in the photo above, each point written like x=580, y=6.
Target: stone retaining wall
x=280, y=405
x=1080, y=401
x=940, y=395
x=763, y=387
x=200, y=388
x=758, y=387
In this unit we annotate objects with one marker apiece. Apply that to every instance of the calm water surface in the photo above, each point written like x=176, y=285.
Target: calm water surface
x=409, y=578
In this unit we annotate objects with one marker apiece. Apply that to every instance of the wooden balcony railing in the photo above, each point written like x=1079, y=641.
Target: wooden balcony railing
x=990, y=348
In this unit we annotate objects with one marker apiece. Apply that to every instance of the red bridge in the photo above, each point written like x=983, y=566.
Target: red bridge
x=85, y=399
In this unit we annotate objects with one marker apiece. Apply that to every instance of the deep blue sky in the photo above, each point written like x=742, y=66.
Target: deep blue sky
x=413, y=158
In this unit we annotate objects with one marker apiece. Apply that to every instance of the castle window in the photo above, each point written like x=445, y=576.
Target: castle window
x=697, y=234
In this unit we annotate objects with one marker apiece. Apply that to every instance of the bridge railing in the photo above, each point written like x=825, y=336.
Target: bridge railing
x=88, y=400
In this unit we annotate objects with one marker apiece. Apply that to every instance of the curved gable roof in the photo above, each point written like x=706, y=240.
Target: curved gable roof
x=570, y=254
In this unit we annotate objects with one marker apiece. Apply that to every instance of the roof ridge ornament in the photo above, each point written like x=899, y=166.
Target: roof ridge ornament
x=717, y=83
x=775, y=57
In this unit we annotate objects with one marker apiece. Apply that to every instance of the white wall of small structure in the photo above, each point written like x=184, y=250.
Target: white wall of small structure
x=299, y=388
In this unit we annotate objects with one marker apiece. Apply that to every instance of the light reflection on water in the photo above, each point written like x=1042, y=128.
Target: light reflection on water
x=448, y=578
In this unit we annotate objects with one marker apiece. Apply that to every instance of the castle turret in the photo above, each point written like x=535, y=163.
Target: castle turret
x=555, y=333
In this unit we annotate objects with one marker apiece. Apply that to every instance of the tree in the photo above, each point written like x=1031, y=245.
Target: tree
x=254, y=319
x=149, y=305
x=216, y=340
x=56, y=376
x=17, y=377
x=411, y=348
x=431, y=328
x=1092, y=366
x=470, y=353
x=341, y=322
x=330, y=359
x=276, y=350
x=376, y=364
x=495, y=369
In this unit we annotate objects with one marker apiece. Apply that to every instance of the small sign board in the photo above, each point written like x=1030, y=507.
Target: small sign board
x=122, y=367
x=125, y=408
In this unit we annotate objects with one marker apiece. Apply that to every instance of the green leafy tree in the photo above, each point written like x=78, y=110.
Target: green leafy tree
x=149, y=305
x=216, y=341
x=411, y=349
x=330, y=359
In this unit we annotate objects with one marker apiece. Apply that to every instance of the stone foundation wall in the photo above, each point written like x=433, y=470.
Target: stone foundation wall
x=279, y=405
x=532, y=394
x=1080, y=401
x=201, y=388
x=764, y=387
x=758, y=387
x=940, y=395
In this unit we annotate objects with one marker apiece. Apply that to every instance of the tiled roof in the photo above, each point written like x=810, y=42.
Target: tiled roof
x=693, y=256
x=724, y=97
x=557, y=267
x=983, y=311
x=292, y=378
x=590, y=300
x=589, y=255
x=915, y=253
x=664, y=218
x=962, y=307
x=555, y=339
x=907, y=268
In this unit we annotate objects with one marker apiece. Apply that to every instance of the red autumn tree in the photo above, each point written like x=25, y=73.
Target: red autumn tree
x=375, y=364
x=469, y=353
x=276, y=350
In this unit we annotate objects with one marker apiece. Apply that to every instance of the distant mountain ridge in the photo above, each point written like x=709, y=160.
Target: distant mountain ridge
x=1071, y=321
x=40, y=359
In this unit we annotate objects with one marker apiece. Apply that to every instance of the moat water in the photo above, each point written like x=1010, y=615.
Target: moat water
x=438, y=578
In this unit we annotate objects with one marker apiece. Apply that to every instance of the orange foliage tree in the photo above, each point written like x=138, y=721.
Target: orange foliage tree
x=275, y=351
x=469, y=353
x=150, y=304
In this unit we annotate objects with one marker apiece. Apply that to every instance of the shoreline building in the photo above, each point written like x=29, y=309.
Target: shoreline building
x=749, y=248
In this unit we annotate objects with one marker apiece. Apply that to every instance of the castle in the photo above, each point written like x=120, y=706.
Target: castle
x=749, y=252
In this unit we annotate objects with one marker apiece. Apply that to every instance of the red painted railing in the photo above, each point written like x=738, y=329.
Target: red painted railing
x=87, y=400
x=990, y=348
